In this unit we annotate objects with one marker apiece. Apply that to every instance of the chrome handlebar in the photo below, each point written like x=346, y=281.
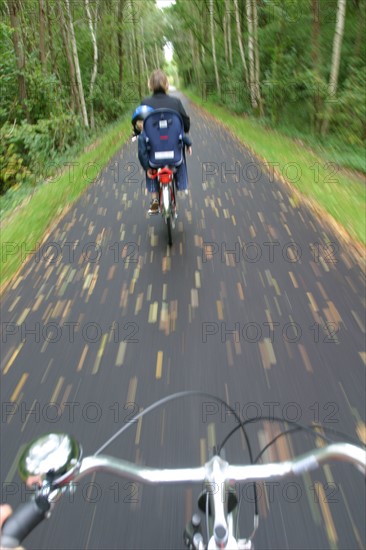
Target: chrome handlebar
x=218, y=470
x=53, y=462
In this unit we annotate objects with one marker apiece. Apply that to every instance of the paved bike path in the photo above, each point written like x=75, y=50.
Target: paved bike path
x=254, y=302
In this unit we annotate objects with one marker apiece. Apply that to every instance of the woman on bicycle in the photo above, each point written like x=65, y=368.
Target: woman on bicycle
x=159, y=85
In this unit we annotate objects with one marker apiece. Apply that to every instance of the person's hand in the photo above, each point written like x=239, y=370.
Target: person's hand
x=151, y=172
x=5, y=512
x=189, y=150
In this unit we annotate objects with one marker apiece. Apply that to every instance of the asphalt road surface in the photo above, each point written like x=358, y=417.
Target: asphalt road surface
x=256, y=302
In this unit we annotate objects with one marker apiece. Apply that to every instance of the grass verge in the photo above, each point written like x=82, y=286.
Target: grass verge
x=341, y=194
x=23, y=229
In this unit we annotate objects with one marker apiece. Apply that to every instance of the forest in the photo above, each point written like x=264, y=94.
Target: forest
x=70, y=68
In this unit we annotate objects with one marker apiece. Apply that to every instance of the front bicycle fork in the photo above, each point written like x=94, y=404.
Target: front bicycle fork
x=214, y=502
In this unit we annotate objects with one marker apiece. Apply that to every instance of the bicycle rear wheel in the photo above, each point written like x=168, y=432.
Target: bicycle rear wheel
x=170, y=232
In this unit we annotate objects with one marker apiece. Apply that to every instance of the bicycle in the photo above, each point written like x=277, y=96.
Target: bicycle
x=54, y=462
x=167, y=198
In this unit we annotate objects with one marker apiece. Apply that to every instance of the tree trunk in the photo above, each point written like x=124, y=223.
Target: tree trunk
x=229, y=39
x=136, y=48
x=143, y=51
x=120, y=45
x=50, y=38
x=214, y=47
x=315, y=54
x=240, y=42
x=226, y=47
x=195, y=53
x=19, y=54
x=253, y=95
x=92, y=29
x=336, y=58
x=75, y=100
x=157, y=57
x=131, y=59
x=360, y=39
x=256, y=59
x=42, y=29
x=79, y=82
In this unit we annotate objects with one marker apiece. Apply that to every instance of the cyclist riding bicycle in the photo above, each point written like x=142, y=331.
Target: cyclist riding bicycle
x=158, y=84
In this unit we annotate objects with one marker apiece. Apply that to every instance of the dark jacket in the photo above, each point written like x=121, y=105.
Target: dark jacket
x=162, y=100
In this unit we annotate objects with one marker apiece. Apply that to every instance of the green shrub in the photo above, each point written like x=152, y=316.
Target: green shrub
x=13, y=172
x=349, y=113
x=26, y=147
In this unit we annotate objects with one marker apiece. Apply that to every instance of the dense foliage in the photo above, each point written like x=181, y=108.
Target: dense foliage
x=45, y=119
x=69, y=67
x=295, y=41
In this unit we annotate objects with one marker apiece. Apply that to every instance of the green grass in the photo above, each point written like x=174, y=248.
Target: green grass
x=23, y=228
x=331, y=149
x=341, y=194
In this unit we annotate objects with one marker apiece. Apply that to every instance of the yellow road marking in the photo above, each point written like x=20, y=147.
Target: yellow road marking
x=100, y=354
x=220, y=312
x=355, y=530
x=131, y=393
x=19, y=386
x=229, y=354
x=194, y=297
x=121, y=354
x=240, y=291
x=65, y=396
x=138, y=429
x=9, y=478
x=57, y=389
x=28, y=415
x=202, y=451
x=293, y=279
x=211, y=435
x=328, y=520
x=37, y=302
x=82, y=358
x=165, y=288
x=23, y=316
x=46, y=371
x=267, y=353
x=312, y=301
x=276, y=287
x=13, y=357
x=159, y=364
x=153, y=312
x=361, y=431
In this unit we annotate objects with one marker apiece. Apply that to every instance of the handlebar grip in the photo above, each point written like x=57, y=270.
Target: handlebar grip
x=22, y=521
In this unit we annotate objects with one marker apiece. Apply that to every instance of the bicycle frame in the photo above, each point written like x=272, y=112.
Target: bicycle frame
x=166, y=192
x=167, y=200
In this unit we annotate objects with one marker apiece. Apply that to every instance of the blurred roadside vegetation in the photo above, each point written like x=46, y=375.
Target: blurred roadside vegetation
x=69, y=71
x=294, y=54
